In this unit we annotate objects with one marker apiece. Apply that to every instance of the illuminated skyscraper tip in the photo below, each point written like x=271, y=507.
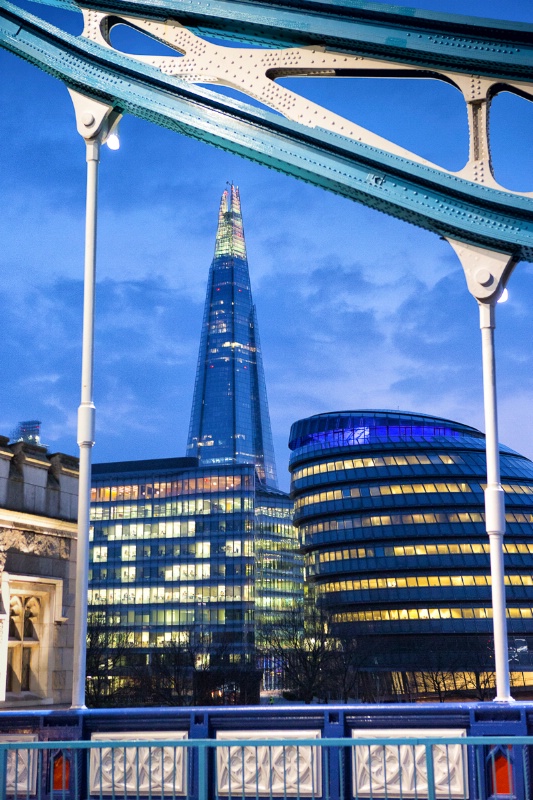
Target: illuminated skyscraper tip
x=230, y=234
x=229, y=419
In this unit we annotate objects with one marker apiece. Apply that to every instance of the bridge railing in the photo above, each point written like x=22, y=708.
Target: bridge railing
x=282, y=764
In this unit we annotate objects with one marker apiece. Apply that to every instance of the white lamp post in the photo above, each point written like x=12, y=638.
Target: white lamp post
x=486, y=274
x=95, y=122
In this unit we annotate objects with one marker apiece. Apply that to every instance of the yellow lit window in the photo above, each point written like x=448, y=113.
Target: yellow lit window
x=99, y=554
x=129, y=552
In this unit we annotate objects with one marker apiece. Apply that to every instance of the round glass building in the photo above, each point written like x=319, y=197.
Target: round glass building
x=390, y=511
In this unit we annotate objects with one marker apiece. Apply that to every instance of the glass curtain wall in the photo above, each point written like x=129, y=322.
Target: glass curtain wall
x=229, y=420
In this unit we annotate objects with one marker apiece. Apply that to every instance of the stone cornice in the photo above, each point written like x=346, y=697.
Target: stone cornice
x=18, y=520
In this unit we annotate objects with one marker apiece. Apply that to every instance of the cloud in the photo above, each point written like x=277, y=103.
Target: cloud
x=356, y=309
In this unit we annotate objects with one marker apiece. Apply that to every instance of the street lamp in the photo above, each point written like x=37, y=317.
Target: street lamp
x=487, y=273
x=95, y=121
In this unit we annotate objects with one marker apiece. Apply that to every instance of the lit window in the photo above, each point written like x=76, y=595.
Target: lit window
x=129, y=552
x=99, y=554
x=127, y=574
x=233, y=547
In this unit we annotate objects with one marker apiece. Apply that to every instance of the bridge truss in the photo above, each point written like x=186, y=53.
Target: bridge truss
x=489, y=226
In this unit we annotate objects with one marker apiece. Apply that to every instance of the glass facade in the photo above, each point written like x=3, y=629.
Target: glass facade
x=176, y=547
x=389, y=507
x=206, y=542
x=229, y=420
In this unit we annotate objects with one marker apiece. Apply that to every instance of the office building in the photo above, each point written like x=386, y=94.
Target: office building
x=201, y=550
x=389, y=507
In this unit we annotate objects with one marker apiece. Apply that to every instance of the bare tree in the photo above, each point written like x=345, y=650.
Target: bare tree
x=480, y=681
x=349, y=657
x=108, y=649
x=166, y=677
x=301, y=643
x=197, y=668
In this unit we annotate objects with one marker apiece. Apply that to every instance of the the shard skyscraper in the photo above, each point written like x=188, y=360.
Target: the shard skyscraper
x=201, y=551
x=230, y=423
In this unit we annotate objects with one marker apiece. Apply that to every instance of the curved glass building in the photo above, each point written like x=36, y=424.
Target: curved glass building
x=390, y=512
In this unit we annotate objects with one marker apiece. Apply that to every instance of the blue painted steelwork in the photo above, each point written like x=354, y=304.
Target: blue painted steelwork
x=431, y=198
x=420, y=38
x=491, y=760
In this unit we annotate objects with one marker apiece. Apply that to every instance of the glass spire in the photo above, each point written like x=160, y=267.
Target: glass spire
x=230, y=423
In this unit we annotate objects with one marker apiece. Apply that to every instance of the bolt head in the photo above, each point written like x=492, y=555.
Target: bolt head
x=484, y=277
x=88, y=119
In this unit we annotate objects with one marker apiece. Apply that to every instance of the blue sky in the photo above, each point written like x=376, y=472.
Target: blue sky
x=356, y=309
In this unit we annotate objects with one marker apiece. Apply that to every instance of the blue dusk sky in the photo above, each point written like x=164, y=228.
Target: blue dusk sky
x=356, y=309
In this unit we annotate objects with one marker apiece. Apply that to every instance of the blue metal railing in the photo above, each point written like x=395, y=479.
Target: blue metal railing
x=280, y=766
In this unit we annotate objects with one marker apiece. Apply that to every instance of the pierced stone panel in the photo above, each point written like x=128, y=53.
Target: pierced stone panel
x=21, y=771
x=400, y=771
x=290, y=770
x=138, y=770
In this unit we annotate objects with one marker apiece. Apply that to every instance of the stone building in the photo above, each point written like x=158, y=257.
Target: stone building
x=38, y=509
